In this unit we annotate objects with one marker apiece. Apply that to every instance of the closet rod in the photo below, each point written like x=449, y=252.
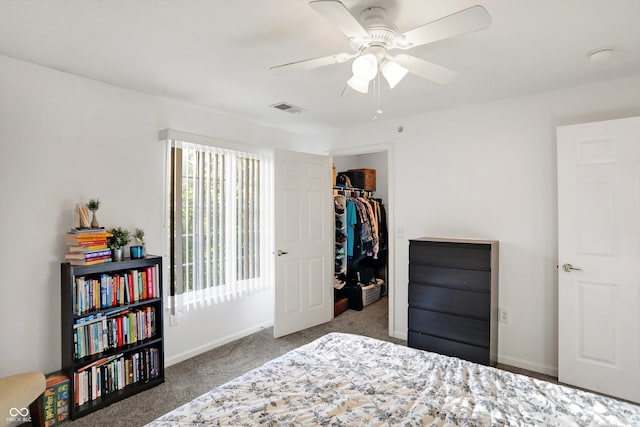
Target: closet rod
x=358, y=193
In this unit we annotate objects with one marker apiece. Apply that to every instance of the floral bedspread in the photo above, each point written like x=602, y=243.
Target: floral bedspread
x=350, y=380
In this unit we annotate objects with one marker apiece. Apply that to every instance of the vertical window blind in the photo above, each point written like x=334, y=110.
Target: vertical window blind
x=220, y=239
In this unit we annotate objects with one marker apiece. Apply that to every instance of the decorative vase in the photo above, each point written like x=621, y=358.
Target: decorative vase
x=94, y=221
x=137, y=251
x=118, y=254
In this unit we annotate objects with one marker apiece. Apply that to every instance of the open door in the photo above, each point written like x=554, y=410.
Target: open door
x=303, y=242
x=599, y=257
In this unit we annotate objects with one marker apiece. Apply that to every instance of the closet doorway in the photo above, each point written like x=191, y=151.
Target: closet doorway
x=373, y=270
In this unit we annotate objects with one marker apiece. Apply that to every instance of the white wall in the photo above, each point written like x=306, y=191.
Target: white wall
x=63, y=140
x=485, y=171
x=489, y=171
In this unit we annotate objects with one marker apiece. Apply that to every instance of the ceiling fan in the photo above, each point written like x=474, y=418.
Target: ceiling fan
x=373, y=36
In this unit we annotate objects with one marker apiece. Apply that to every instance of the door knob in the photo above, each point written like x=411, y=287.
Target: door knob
x=281, y=252
x=569, y=268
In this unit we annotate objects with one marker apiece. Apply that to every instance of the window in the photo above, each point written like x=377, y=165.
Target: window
x=219, y=228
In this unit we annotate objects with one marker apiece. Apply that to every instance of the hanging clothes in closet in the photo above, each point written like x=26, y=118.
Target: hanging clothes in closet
x=366, y=237
x=361, y=232
x=361, y=238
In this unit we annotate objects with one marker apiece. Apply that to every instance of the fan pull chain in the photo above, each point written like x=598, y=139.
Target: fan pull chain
x=377, y=96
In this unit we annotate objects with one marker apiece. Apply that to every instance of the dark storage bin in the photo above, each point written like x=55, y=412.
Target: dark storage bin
x=340, y=306
x=354, y=295
x=368, y=179
x=355, y=177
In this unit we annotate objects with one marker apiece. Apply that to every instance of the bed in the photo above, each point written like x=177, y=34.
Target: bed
x=350, y=380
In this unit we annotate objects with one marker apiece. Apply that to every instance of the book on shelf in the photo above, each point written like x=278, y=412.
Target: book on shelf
x=94, y=261
x=88, y=230
x=89, y=255
x=113, y=331
x=56, y=399
x=88, y=247
x=87, y=237
x=98, y=292
x=88, y=240
x=110, y=374
x=84, y=240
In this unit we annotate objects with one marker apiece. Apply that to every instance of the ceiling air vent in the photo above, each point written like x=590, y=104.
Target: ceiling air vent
x=289, y=108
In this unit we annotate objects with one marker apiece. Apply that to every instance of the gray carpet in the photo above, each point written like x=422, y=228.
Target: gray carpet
x=194, y=377
x=191, y=378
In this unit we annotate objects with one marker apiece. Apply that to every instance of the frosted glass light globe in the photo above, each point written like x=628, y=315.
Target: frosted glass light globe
x=358, y=84
x=365, y=67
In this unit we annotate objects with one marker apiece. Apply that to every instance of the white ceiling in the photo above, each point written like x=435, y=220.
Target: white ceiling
x=217, y=53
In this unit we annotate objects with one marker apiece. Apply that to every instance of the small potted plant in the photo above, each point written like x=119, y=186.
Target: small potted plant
x=118, y=240
x=93, y=205
x=137, y=251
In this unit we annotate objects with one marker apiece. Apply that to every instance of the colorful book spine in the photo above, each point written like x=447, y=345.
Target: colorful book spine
x=56, y=399
x=88, y=247
x=113, y=290
x=88, y=255
x=97, y=333
x=94, y=261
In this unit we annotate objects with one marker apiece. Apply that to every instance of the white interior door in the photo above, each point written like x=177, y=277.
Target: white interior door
x=599, y=237
x=303, y=242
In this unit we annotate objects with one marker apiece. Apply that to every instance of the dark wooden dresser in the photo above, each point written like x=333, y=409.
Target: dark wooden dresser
x=453, y=297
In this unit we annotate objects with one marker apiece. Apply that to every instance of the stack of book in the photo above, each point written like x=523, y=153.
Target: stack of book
x=112, y=373
x=56, y=399
x=103, y=331
x=87, y=246
x=91, y=293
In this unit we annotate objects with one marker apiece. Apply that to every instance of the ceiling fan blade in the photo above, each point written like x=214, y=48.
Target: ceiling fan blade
x=428, y=70
x=308, y=64
x=338, y=14
x=472, y=19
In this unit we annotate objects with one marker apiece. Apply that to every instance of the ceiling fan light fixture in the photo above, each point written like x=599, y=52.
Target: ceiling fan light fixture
x=393, y=73
x=358, y=84
x=373, y=34
x=365, y=67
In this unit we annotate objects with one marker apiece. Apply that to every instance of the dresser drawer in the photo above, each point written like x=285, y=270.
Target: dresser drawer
x=464, y=279
x=452, y=301
x=448, y=348
x=462, y=329
x=447, y=254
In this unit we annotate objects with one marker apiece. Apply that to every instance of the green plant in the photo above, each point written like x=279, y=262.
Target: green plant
x=93, y=204
x=139, y=236
x=119, y=238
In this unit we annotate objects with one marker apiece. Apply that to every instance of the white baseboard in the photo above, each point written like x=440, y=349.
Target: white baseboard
x=506, y=360
x=214, y=344
x=401, y=335
x=528, y=365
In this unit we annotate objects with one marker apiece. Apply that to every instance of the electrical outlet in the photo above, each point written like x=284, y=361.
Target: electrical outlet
x=504, y=315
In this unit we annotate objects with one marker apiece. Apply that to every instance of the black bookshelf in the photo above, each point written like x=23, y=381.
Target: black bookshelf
x=151, y=371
